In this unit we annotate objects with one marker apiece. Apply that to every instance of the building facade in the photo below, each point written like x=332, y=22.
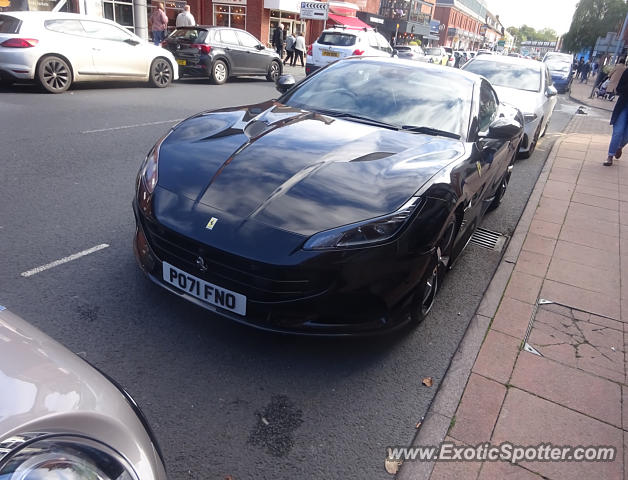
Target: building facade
x=468, y=25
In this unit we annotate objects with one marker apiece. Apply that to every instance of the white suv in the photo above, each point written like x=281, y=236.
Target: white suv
x=336, y=43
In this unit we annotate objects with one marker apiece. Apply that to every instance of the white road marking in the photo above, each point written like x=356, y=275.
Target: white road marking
x=63, y=260
x=132, y=126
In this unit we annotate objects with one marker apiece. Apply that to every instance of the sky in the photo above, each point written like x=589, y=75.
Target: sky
x=539, y=14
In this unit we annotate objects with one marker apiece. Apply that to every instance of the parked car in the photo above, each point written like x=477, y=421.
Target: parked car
x=220, y=53
x=527, y=85
x=436, y=55
x=60, y=418
x=57, y=49
x=409, y=52
x=560, y=66
x=335, y=209
x=336, y=43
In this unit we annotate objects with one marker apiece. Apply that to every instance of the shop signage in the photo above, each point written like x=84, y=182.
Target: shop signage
x=314, y=10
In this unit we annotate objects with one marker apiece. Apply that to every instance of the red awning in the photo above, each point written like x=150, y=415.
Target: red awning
x=350, y=22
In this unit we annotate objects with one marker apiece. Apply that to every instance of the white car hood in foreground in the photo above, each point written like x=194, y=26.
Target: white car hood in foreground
x=45, y=388
x=527, y=102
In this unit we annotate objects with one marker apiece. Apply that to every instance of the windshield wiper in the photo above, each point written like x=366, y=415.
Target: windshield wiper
x=430, y=131
x=358, y=118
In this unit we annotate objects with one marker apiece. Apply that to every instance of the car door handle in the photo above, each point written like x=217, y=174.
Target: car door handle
x=96, y=49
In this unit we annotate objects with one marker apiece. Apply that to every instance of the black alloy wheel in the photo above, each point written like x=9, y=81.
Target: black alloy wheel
x=54, y=74
x=160, y=73
x=428, y=286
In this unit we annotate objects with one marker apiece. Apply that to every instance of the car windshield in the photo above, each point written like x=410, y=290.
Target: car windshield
x=338, y=39
x=434, y=51
x=189, y=34
x=417, y=98
x=558, y=66
x=521, y=77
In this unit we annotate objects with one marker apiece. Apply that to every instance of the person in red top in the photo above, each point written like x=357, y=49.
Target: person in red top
x=159, y=24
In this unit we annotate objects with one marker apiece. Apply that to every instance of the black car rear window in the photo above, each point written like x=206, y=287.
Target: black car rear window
x=192, y=35
x=9, y=24
x=338, y=39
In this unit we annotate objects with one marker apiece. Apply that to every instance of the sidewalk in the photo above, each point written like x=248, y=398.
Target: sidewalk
x=580, y=93
x=565, y=275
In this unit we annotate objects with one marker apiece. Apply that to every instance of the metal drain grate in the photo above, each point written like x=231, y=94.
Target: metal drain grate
x=488, y=239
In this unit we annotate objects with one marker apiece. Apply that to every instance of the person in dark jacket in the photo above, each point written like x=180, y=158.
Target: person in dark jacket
x=278, y=39
x=619, y=121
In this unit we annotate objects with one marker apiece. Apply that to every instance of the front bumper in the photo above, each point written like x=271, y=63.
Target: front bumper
x=368, y=295
x=529, y=130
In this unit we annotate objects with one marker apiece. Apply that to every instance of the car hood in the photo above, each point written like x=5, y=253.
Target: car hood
x=295, y=170
x=527, y=102
x=47, y=389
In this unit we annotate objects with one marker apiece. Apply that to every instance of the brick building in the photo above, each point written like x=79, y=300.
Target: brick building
x=464, y=23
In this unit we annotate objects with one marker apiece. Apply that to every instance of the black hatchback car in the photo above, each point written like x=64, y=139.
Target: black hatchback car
x=220, y=53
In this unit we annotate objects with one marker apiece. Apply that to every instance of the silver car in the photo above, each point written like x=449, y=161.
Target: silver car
x=525, y=84
x=57, y=49
x=62, y=419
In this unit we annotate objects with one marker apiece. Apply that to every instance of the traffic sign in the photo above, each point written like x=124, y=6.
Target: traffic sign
x=314, y=10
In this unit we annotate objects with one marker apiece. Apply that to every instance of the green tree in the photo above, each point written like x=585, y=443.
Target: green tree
x=593, y=19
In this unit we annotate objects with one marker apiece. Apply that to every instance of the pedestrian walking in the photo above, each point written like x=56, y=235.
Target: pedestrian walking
x=290, y=40
x=278, y=39
x=185, y=18
x=586, y=68
x=580, y=68
x=619, y=121
x=615, y=75
x=159, y=24
x=299, y=49
x=594, y=67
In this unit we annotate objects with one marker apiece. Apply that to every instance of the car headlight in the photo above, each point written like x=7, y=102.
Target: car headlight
x=529, y=117
x=52, y=457
x=370, y=231
x=149, y=172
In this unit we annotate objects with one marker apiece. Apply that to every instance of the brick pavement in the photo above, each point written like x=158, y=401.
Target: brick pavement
x=575, y=255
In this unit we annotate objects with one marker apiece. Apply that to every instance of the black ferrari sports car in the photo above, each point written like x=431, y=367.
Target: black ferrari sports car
x=335, y=209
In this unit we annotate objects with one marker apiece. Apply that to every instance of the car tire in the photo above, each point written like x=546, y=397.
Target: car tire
x=274, y=71
x=546, y=125
x=440, y=262
x=501, y=191
x=161, y=73
x=530, y=151
x=220, y=72
x=54, y=74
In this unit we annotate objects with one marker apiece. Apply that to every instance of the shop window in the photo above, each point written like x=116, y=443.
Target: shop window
x=120, y=11
x=230, y=16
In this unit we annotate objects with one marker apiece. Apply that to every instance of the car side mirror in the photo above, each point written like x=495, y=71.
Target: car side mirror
x=131, y=41
x=551, y=91
x=285, y=83
x=260, y=46
x=503, y=128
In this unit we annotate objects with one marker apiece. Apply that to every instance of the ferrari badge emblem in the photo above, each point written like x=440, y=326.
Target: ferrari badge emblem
x=477, y=164
x=211, y=223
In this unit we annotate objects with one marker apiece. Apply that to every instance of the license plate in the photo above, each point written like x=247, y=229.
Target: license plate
x=205, y=291
x=327, y=53
x=181, y=62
